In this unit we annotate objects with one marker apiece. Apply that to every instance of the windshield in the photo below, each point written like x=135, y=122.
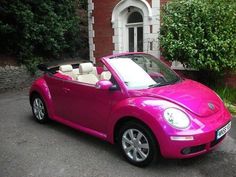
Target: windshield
x=140, y=71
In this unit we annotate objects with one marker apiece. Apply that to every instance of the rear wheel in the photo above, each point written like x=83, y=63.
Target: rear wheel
x=137, y=144
x=39, y=109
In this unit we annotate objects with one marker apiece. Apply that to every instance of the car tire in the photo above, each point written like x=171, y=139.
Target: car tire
x=39, y=109
x=137, y=144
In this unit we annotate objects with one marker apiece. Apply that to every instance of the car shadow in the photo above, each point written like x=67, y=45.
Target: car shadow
x=79, y=136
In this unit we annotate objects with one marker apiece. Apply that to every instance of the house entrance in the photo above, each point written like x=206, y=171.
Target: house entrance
x=135, y=32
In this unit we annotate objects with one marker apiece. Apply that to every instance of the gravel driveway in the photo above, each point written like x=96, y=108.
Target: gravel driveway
x=31, y=149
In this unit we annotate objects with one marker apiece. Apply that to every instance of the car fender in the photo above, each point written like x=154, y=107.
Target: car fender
x=40, y=86
x=138, y=109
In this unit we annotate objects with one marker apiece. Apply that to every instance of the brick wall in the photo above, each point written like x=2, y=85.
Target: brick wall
x=230, y=79
x=103, y=28
x=162, y=2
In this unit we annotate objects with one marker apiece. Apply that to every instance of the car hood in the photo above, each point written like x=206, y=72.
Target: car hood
x=189, y=94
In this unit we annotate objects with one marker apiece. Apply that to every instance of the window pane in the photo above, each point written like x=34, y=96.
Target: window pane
x=135, y=17
x=140, y=39
x=131, y=39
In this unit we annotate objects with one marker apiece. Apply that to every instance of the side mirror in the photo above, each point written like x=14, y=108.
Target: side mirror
x=104, y=85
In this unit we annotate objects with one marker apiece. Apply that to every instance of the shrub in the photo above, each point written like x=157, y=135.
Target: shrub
x=200, y=34
x=83, y=4
x=31, y=63
x=42, y=28
x=228, y=95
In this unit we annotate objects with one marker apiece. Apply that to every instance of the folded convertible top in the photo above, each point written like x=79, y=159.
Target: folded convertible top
x=54, y=65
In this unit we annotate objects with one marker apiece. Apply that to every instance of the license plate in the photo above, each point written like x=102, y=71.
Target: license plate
x=221, y=132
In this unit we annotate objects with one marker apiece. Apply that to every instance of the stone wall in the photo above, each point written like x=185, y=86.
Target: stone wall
x=15, y=77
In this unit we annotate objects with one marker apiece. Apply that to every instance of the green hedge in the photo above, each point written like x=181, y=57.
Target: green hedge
x=30, y=29
x=200, y=33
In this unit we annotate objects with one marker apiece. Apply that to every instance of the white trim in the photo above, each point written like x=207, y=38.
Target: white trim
x=123, y=3
x=134, y=24
x=91, y=31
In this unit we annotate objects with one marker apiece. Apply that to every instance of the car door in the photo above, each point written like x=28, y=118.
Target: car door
x=87, y=105
x=58, y=93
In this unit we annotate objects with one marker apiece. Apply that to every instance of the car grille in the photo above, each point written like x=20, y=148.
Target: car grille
x=202, y=147
x=193, y=149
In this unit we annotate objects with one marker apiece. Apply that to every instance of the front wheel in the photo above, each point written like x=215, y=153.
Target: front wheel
x=137, y=144
x=39, y=109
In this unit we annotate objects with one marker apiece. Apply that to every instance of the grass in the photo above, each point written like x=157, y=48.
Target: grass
x=228, y=95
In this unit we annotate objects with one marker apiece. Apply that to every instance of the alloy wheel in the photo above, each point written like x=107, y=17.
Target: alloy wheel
x=135, y=145
x=38, y=108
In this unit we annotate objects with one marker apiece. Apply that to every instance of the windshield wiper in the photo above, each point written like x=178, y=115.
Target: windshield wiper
x=154, y=85
x=165, y=83
x=175, y=81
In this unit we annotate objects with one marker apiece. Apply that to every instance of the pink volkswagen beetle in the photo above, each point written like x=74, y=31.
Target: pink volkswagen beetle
x=135, y=101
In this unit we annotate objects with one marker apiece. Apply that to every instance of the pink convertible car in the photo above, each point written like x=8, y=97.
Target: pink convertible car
x=136, y=101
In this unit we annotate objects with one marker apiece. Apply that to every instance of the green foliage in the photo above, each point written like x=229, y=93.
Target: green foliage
x=83, y=3
x=42, y=28
x=228, y=95
x=200, y=33
x=31, y=63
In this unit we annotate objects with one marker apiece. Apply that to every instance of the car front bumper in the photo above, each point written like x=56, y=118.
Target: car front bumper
x=196, y=145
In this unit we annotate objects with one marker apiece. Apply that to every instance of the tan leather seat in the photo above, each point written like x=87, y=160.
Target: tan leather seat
x=76, y=71
x=94, y=71
x=105, y=75
x=86, y=74
x=68, y=70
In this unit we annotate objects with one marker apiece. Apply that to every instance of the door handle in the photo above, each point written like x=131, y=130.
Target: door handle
x=66, y=90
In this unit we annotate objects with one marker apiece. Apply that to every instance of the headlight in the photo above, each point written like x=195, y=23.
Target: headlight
x=176, y=118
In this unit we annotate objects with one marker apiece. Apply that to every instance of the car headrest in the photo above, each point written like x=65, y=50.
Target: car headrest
x=66, y=68
x=105, y=75
x=85, y=68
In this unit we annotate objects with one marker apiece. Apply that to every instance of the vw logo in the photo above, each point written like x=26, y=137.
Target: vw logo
x=211, y=106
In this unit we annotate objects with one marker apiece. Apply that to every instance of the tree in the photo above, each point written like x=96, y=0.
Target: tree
x=44, y=28
x=200, y=34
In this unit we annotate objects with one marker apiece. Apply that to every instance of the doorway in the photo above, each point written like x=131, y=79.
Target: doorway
x=135, y=32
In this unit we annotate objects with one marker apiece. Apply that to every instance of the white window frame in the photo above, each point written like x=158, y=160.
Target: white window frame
x=135, y=26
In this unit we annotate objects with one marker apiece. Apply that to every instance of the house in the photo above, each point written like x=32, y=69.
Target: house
x=128, y=26
x=123, y=26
